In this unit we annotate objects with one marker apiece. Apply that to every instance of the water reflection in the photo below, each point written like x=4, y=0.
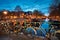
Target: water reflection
x=45, y=24
x=42, y=30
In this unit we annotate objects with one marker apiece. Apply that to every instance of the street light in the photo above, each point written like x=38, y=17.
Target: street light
x=5, y=12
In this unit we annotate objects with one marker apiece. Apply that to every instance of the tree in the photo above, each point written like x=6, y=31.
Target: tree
x=18, y=8
x=37, y=13
x=55, y=8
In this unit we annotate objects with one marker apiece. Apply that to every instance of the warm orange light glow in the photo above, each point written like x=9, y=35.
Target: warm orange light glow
x=6, y=17
x=11, y=17
x=22, y=14
x=57, y=16
x=5, y=12
x=15, y=16
x=38, y=17
x=30, y=15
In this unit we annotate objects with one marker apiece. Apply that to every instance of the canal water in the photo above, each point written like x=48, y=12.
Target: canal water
x=43, y=28
x=45, y=25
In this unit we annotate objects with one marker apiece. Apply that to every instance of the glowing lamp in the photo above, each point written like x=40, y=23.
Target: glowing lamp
x=5, y=12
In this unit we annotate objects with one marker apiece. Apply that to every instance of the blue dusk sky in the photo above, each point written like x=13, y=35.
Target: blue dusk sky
x=26, y=5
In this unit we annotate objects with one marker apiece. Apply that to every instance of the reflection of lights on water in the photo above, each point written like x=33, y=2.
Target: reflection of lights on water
x=46, y=19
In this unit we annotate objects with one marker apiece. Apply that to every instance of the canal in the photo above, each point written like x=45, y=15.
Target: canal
x=43, y=28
